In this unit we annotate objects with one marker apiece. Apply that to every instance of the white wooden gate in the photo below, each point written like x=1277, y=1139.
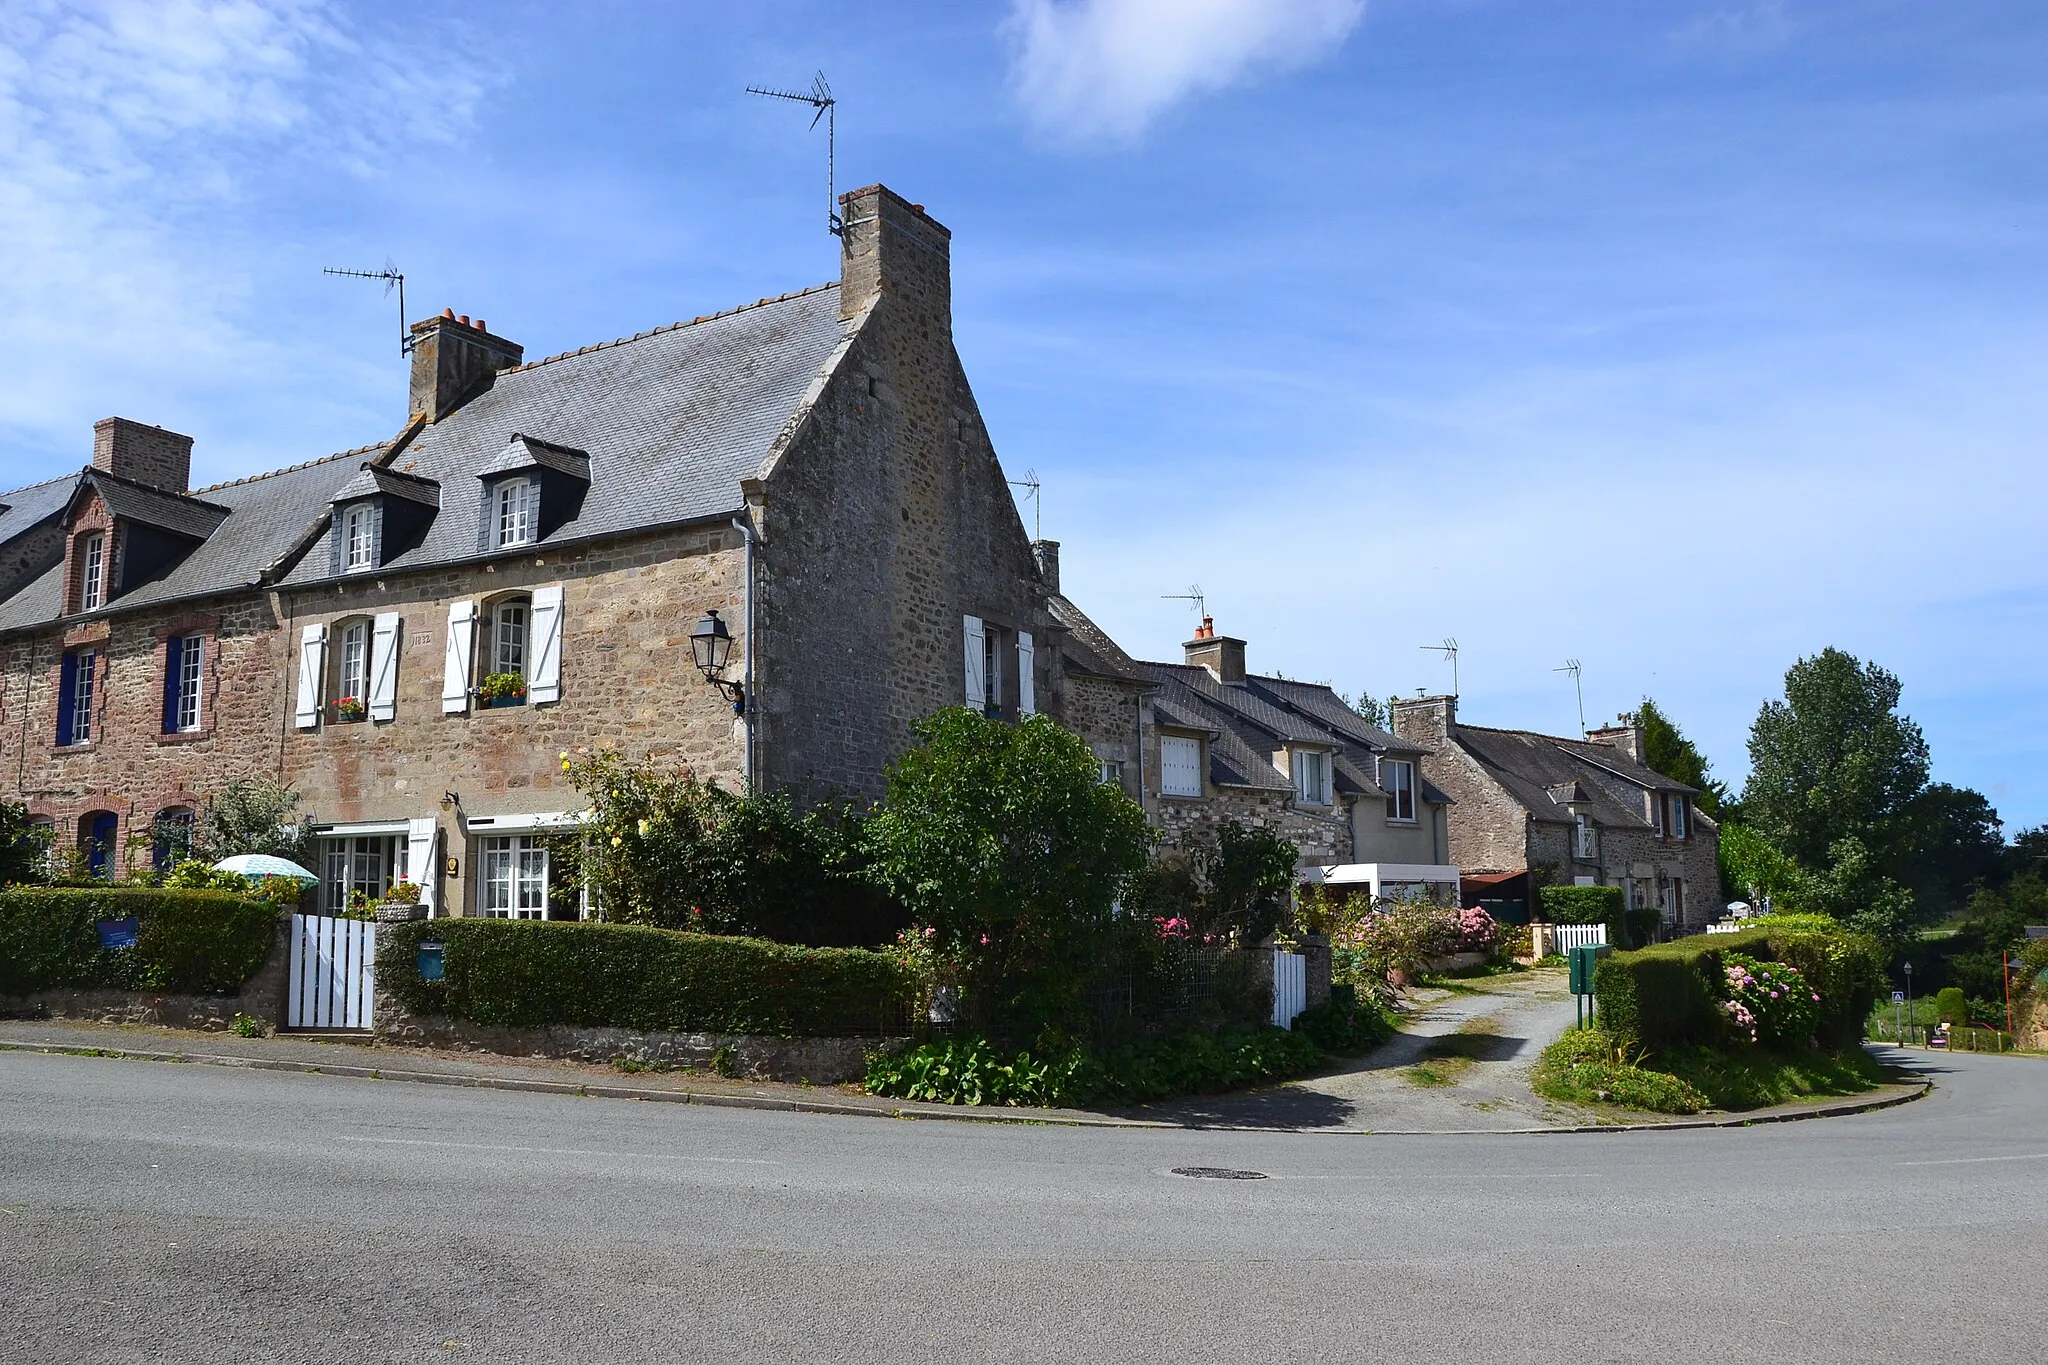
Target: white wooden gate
x=1290, y=987
x=333, y=975
x=1565, y=937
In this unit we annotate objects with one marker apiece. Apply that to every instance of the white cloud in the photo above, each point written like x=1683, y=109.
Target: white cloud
x=1089, y=69
x=142, y=145
x=1757, y=25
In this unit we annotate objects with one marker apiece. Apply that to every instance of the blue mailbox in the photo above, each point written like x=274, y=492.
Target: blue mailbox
x=430, y=961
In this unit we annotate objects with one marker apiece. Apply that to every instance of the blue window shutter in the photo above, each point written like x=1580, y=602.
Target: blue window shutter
x=67, y=692
x=174, y=666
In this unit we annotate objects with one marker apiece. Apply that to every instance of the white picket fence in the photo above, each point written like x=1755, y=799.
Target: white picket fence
x=1565, y=937
x=1290, y=987
x=333, y=973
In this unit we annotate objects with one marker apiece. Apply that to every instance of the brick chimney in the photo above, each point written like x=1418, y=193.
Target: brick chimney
x=1623, y=737
x=891, y=246
x=146, y=454
x=1427, y=721
x=454, y=360
x=1222, y=655
x=1047, y=553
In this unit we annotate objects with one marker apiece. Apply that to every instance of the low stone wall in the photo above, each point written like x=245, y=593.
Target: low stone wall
x=822, y=1061
x=261, y=997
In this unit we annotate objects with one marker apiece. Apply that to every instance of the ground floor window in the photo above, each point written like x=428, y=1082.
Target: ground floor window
x=358, y=869
x=515, y=881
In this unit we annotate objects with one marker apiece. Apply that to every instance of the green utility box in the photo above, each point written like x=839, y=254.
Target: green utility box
x=1584, y=960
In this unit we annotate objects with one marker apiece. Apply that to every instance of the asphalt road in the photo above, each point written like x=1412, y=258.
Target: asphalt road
x=154, y=1212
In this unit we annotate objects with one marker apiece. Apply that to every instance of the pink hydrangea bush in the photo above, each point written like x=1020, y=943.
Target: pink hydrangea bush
x=1768, y=1003
x=1478, y=932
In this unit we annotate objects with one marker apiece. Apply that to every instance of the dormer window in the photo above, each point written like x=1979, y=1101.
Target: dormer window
x=518, y=512
x=1312, y=777
x=359, y=538
x=92, y=578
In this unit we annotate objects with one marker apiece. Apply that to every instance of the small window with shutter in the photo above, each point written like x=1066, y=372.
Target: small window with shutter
x=1180, y=766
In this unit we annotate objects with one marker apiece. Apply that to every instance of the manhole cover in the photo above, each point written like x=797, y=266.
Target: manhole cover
x=1217, y=1173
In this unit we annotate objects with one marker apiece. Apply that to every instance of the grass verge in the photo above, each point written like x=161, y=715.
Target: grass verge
x=1591, y=1066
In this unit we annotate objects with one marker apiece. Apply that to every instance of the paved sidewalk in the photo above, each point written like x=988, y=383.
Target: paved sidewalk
x=1371, y=1095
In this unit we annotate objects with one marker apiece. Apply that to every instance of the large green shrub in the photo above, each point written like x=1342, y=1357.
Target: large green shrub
x=1668, y=994
x=532, y=973
x=195, y=942
x=1600, y=905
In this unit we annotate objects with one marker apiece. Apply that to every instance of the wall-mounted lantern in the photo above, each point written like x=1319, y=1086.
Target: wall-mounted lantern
x=710, y=648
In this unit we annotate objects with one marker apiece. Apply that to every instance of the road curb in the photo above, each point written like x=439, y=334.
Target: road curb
x=936, y=1113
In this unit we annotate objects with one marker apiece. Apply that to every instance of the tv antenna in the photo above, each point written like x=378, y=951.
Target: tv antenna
x=391, y=275
x=1193, y=594
x=1037, y=496
x=820, y=98
x=1572, y=667
x=1449, y=649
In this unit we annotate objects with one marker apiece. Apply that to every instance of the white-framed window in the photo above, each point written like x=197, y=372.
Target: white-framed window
x=1110, y=774
x=1311, y=777
x=366, y=863
x=1677, y=900
x=517, y=502
x=92, y=578
x=81, y=675
x=1397, y=776
x=359, y=538
x=191, y=671
x=1675, y=825
x=1588, y=839
x=352, y=664
x=515, y=882
x=991, y=671
x=1180, y=766
x=508, y=637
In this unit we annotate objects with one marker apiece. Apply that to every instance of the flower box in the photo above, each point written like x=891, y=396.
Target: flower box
x=493, y=703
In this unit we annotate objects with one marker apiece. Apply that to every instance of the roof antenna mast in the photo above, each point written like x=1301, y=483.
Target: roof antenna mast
x=1037, y=496
x=391, y=275
x=1449, y=649
x=1571, y=666
x=820, y=98
x=1194, y=595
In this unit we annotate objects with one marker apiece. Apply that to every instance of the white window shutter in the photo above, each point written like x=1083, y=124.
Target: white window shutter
x=1027, y=683
x=544, y=645
x=460, y=656
x=384, y=667
x=312, y=673
x=423, y=860
x=977, y=686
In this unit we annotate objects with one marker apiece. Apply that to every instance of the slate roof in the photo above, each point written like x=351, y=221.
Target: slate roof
x=1529, y=765
x=1088, y=648
x=174, y=512
x=371, y=480
x=524, y=452
x=671, y=419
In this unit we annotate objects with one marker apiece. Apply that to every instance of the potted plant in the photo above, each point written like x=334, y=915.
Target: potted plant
x=401, y=903
x=350, y=709
x=503, y=689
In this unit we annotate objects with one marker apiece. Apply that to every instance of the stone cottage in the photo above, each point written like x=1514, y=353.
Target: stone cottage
x=410, y=633
x=1532, y=810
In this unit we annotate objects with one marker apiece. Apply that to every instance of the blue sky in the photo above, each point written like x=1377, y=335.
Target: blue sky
x=1680, y=338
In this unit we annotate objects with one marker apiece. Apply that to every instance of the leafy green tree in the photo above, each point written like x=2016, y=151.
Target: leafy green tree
x=1250, y=876
x=1835, y=760
x=1373, y=710
x=1004, y=840
x=253, y=815
x=1666, y=750
x=24, y=847
x=1954, y=845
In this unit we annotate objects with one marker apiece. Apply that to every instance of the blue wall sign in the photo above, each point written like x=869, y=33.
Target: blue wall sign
x=119, y=933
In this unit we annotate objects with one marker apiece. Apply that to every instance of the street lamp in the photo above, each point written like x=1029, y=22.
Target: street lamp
x=710, y=647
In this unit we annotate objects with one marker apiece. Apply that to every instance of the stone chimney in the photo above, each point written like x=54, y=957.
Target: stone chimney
x=890, y=246
x=454, y=360
x=146, y=454
x=1427, y=721
x=1626, y=738
x=1047, y=553
x=1222, y=655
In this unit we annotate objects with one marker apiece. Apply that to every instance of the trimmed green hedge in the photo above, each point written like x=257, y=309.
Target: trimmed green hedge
x=189, y=942
x=1600, y=905
x=532, y=973
x=1665, y=995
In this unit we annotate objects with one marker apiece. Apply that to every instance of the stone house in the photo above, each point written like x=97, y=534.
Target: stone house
x=1534, y=809
x=1203, y=741
x=410, y=633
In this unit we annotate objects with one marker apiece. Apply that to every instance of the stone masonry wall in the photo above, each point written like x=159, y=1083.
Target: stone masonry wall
x=1108, y=714
x=885, y=521
x=1489, y=831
